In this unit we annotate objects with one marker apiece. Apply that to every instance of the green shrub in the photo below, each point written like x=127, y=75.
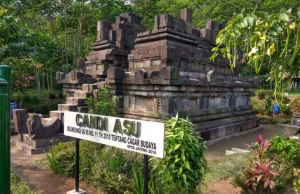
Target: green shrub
x=261, y=94
x=112, y=171
x=45, y=107
x=33, y=104
x=285, y=109
x=61, y=95
x=18, y=186
x=297, y=181
x=104, y=104
x=282, y=99
x=106, y=168
x=258, y=105
x=284, y=149
x=266, y=170
x=51, y=96
x=184, y=164
x=61, y=159
x=295, y=104
x=268, y=105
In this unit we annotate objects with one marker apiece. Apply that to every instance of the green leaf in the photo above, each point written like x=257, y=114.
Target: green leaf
x=273, y=33
x=176, y=147
x=215, y=49
x=282, y=10
x=284, y=17
x=184, y=178
x=250, y=21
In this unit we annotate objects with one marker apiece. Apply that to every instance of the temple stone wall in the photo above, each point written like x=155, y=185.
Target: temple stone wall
x=162, y=72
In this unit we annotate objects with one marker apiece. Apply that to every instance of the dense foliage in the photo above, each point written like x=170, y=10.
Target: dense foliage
x=297, y=181
x=184, y=165
x=269, y=167
x=117, y=171
x=262, y=39
x=107, y=169
x=19, y=186
x=104, y=103
x=283, y=148
x=39, y=38
x=295, y=104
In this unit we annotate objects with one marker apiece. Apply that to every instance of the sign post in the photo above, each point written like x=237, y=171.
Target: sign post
x=77, y=166
x=5, y=129
x=146, y=177
x=144, y=137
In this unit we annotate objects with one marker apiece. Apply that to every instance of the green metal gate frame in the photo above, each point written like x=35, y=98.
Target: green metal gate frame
x=5, y=82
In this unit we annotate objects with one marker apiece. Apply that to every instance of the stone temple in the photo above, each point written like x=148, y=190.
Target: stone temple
x=162, y=72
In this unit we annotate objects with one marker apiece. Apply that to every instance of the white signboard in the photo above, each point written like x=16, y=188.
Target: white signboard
x=144, y=137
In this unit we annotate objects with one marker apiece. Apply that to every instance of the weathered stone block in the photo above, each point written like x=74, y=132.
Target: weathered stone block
x=57, y=114
x=206, y=33
x=169, y=73
x=165, y=20
x=20, y=119
x=296, y=115
x=187, y=15
x=296, y=121
x=43, y=128
x=115, y=73
x=103, y=26
x=76, y=101
x=195, y=32
x=67, y=107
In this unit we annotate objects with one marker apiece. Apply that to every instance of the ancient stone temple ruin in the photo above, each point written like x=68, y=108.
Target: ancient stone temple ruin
x=162, y=72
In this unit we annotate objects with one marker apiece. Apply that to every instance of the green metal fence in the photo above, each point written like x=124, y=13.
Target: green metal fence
x=5, y=81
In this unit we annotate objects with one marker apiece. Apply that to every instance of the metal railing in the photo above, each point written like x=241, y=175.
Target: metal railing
x=5, y=81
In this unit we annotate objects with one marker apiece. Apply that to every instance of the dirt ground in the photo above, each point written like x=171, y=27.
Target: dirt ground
x=45, y=180
x=222, y=187
x=42, y=179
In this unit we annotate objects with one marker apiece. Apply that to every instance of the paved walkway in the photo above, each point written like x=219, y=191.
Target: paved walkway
x=218, y=150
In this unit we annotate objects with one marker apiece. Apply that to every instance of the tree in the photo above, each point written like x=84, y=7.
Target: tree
x=261, y=39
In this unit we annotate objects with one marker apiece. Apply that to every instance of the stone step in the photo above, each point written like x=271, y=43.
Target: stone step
x=82, y=94
x=229, y=152
x=76, y=101
x=290, y=130
x=100, y=85
x=95, y=92
x=83, y=109
x=296, y=114
x=57, y=114
x=295, y=121
x=89, y=87
x=67, y=107
x=296, y=138
x=237, y=150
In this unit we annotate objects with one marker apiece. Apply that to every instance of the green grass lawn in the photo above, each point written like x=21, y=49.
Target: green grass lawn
x=294, y=93
x=225, y=167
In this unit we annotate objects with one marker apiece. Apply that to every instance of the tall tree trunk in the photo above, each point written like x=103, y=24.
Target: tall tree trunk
x=38, y=81
x=48, y=82
x=51, y=78
x=43, y=82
